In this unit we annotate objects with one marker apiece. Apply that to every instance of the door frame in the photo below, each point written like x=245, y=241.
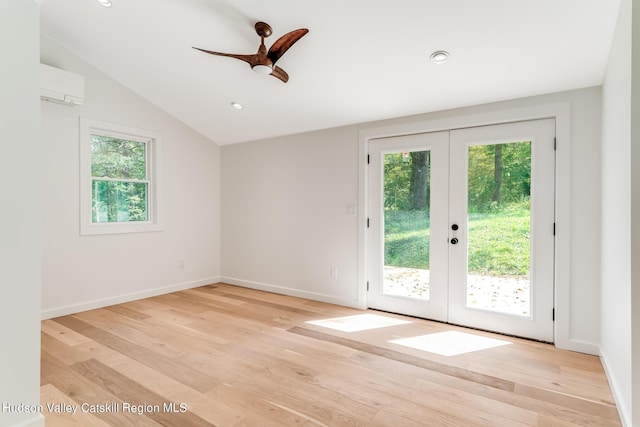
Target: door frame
x=449, y=121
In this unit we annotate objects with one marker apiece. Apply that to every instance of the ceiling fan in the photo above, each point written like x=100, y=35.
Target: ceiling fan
x=264, y=62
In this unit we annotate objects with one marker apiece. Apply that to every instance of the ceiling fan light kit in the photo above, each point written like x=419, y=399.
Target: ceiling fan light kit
x=264, y=61
x=262, y=69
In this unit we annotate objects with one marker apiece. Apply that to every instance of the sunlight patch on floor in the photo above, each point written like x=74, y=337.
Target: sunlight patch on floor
x=450, y=343
x=359, y=322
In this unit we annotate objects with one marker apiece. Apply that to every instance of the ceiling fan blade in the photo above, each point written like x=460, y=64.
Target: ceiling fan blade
x=284, y=43
x=280, y=73
x=250, y=59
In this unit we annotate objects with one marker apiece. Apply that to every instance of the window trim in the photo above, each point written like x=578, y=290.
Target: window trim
x=90, y=126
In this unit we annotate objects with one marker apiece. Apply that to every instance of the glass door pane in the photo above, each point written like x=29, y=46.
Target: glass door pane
x=406, y=224
x=499, y=227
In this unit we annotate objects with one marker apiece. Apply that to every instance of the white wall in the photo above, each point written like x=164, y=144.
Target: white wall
x=82, y=272
x=635, y=217
x=284, y=214
x=616, y=319
x=284, y=204
x=20, y=216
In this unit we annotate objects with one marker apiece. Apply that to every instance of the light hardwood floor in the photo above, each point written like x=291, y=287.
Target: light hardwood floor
x=229, y=356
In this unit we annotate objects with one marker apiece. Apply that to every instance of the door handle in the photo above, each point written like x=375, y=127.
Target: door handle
x=454, y=241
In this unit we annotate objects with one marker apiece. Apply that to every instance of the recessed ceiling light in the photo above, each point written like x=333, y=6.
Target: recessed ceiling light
x=237, y=105
x=439, y=56
x=105, y=3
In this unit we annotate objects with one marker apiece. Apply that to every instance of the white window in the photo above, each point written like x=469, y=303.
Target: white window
x=117, y=178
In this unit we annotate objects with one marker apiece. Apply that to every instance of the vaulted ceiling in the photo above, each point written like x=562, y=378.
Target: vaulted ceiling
x=362, y=60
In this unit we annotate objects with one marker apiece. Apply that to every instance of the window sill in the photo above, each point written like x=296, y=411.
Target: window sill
x=118, y=228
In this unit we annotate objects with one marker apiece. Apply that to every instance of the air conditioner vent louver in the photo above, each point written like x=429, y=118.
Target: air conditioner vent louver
x=61, y=86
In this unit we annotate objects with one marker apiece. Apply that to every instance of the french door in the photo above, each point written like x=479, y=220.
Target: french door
x=461, y=227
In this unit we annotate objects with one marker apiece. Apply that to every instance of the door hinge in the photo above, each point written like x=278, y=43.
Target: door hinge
x=367, y=222
x=555, y=143
x=554, y=228
x=367, y=286
x=368, y=158
x=553, y=314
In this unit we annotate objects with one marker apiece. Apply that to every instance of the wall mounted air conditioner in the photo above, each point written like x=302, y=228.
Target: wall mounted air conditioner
x=61, y=86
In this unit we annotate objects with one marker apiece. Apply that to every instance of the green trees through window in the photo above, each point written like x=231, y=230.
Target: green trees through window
x=499, y=190
x=499, y=177
x=119, y=179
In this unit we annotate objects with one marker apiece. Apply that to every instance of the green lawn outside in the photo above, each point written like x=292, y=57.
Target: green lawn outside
x=498, y=241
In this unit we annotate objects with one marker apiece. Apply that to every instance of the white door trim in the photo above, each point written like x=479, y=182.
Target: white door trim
x=562, y=113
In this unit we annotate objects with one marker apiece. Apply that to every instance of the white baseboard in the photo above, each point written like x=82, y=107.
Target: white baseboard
x=581, y=347
x=315, y=296
x=623, y=411
x=119, y=299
